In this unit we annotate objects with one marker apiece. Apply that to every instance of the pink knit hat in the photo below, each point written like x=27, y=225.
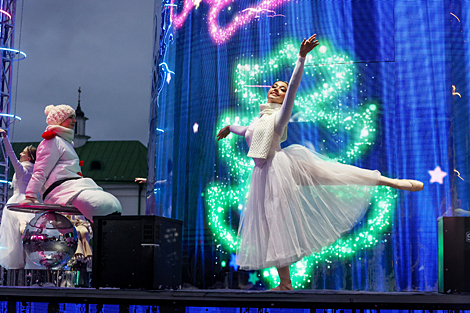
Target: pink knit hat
x=57, y=114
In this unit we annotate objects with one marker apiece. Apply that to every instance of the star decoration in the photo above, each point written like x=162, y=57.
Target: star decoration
x=437, y=175
x=195, y=127
x=253, y=278
x=233, y=262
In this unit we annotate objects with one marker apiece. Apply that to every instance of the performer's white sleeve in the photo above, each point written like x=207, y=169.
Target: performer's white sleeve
x=284, y=114
x=48, y=155
x=239, y=130
x=19, y=169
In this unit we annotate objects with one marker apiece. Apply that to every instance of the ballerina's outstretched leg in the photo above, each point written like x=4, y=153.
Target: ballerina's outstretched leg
x=335, y=174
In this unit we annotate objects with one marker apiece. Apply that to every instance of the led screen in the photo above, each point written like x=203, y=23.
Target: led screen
x=376, y=93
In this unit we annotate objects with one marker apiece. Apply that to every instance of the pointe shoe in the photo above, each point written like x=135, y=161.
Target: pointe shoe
x=283, y=287
x=415, y=185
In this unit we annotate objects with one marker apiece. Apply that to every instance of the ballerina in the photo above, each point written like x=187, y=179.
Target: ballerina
x=13, y=223
x=299, y=201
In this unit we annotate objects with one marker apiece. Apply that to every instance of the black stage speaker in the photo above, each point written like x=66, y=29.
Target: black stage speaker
x=136, y=252
x=454, y=254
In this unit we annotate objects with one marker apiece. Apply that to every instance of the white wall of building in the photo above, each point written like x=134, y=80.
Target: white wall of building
x=128, y=195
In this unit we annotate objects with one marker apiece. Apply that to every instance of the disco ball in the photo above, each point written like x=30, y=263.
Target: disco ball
x=50, y=240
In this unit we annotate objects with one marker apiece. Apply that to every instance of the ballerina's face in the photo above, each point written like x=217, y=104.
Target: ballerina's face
x=277, y=92
x=24, y=155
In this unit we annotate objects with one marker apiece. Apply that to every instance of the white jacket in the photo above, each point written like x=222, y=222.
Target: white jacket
x=23, y=171
x=56, y=159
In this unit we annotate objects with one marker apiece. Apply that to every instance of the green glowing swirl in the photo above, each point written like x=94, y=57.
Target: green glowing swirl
x=335, y=77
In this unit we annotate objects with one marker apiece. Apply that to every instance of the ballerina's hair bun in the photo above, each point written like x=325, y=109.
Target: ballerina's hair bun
x=57, y=114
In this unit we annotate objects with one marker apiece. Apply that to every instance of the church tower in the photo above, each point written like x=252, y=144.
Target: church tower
x=80, y=137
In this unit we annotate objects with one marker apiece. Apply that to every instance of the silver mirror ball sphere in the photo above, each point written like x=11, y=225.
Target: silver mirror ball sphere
x=50, y=240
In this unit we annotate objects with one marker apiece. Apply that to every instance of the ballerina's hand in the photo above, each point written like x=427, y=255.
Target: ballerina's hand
x=3, y=132
x=224, y=132
x=307, y=45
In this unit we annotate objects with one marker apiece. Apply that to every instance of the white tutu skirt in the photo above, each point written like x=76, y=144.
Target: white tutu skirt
x=299, y=201
x=12, y=255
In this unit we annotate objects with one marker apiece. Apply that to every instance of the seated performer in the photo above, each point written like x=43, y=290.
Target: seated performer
x=57, y=174
x=13, y=223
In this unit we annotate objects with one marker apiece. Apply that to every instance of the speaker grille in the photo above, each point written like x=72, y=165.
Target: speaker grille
x=147, y=235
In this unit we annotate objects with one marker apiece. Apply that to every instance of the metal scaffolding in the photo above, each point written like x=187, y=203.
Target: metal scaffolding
x=7, y=54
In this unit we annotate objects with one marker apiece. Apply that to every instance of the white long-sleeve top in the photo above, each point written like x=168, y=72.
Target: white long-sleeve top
x=282, y=117
x=56, y=159
x=23, y=172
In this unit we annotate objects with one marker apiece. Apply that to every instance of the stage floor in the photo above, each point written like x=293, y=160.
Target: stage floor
x=179, y=299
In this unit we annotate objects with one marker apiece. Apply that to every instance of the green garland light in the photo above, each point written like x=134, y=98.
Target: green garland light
x=335, y=77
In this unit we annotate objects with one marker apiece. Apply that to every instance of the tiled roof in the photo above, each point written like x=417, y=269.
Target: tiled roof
x=107, y=161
